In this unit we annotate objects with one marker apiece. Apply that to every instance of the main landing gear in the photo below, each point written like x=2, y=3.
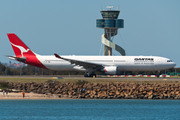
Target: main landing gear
x=89, y=75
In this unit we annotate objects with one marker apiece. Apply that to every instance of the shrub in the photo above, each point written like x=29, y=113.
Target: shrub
x=4, y=85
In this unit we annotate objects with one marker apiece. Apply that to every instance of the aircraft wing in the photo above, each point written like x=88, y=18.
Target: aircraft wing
x=85, y=64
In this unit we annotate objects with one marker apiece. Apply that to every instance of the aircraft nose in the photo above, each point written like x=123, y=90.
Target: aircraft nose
x=173, y=64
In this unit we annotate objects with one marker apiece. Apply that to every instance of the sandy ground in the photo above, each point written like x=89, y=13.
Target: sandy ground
x=30, y=95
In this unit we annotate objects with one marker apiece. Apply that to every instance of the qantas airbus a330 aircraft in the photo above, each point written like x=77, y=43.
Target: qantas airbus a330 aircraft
x=89, y=64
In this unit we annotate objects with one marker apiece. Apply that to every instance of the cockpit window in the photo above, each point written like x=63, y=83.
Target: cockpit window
x=169, y=60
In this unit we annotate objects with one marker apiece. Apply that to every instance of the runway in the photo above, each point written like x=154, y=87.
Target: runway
x=128, y=78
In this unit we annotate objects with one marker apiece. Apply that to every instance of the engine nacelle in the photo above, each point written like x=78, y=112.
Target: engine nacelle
x=110, y=70
x=80, y=68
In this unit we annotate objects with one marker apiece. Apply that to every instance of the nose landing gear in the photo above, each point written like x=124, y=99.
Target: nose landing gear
x=158, y=73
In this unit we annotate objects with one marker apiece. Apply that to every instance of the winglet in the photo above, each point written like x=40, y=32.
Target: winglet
x=56, y=55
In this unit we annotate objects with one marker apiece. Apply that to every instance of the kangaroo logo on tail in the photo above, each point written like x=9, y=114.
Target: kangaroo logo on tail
x=22, y=49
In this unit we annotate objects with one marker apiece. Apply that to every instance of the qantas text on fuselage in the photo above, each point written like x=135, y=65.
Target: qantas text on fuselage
x=89, y=64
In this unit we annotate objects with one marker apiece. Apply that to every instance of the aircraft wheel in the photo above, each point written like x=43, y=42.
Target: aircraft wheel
x=93, y=75
x=85, y=75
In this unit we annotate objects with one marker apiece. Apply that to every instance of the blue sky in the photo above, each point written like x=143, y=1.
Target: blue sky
x=68, y=27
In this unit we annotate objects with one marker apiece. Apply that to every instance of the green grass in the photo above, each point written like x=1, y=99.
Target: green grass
x=90, y=80
x=24, y=80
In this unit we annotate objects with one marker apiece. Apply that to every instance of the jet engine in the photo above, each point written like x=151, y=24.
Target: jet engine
x=110, y=70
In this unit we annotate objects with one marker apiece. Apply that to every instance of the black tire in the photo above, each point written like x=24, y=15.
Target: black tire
x=94, y=75
x=85, y=75
x=91, y=75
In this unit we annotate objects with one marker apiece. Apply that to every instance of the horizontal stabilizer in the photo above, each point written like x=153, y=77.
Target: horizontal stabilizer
x=21, y=59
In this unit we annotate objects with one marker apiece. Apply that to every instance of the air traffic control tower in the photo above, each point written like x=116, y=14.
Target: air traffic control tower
x=110, y=24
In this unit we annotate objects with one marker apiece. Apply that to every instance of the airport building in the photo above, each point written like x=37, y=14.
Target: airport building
x=110, y=24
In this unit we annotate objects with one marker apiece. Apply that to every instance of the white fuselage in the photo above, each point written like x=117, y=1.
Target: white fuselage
x=123, y=63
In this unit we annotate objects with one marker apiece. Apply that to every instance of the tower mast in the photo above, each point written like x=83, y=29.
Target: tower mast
x=110, y=24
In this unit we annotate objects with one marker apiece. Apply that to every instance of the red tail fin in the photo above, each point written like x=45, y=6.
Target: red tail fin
x=20, y=49
x=22, y=52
